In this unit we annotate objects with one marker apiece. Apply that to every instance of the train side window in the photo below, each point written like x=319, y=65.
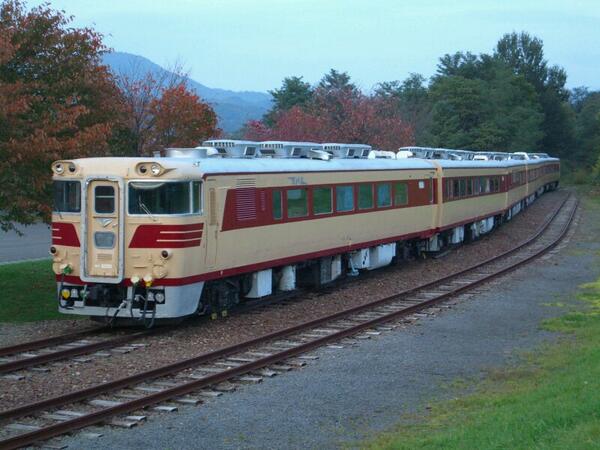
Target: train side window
x=196, y=197
x=476, y=186
x=344, y=198
x=276, y=203
x=400, y=194
x=384, y=195
x=104, y=199
x=463, y=187
x=322, y=200
x=469, y=186
x=297, y=203
x=365, y=196
x=455, y=188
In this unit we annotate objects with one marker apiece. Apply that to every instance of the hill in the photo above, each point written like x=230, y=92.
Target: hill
x=234, y=108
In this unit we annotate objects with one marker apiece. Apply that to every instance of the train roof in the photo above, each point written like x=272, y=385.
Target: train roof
x=193, y=167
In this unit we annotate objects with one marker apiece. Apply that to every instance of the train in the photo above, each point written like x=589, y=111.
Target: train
x=193, y=231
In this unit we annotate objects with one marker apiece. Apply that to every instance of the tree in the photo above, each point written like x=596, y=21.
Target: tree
x=180, y=119
x=484, y=106
x=588, y=128
x=410, y=99
x=293, y=92
x=524, y=54
x=352, y=118
x=57, y=100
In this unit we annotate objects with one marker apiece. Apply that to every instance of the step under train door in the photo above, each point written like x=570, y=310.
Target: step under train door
x=102, y=211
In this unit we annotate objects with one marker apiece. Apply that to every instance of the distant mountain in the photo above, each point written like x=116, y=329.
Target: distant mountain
x=232, y=107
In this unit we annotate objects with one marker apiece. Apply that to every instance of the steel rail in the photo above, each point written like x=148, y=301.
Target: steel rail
x=98, y=416
x=46, y=342
x=45, y=358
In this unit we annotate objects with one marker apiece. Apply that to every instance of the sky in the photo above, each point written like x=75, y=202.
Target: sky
x=254, y=44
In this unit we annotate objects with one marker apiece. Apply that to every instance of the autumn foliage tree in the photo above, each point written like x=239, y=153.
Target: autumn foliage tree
x=337, y=112
x=56, y=101
x=163, y=112
x=181, y=119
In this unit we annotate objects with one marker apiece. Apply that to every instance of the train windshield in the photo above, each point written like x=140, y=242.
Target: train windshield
x=67, y=196
x=149, y=197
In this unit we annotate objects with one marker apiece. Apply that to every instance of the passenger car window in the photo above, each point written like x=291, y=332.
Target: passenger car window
x=322, y=200
x=104, y=199
x=384, y=195
x=297, y=204
x=344, y=197
x=365, y=196
x=276, y=203
x=196, y=197
x=400, y=194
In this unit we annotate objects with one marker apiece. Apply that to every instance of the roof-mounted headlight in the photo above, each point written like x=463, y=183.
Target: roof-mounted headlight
x=148, y=168
x=58, y=168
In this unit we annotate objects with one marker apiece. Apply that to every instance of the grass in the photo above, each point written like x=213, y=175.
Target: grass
x=28, y=292
x=551, y=402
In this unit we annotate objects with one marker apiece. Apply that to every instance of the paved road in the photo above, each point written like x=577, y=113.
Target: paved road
x=351, y=393
x=34, y=243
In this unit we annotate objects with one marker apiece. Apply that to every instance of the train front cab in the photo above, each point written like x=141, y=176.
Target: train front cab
x=127, y=248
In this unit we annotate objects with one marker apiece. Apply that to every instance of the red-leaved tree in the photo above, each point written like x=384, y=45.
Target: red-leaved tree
x=181, y=119
x=345, y=116
x=56, y=101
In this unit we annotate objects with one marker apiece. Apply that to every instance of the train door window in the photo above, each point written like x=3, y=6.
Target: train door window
x=196, y=197
x=400, y=194
x=384, y=195
x=322, y=200
x=297, y=203
x=276, y=204
x=104, y=199
x=344, y=198
x=365, y=196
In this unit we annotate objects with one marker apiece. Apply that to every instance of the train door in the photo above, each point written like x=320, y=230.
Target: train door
x=102, y=256
x=212, y=225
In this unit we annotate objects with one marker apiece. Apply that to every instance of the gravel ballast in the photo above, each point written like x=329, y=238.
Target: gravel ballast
x=197, y=338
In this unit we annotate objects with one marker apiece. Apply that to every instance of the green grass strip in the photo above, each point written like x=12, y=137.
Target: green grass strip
x=28, y=292
x=552, y=402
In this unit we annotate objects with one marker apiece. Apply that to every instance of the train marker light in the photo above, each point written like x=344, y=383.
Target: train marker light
x=159, y=297
x=135, y=280
x=53, y=250
x=148, y=280
x=59, y=168
x=72, y=168
x=155, y=169
x=65, y=293
x=165, y=254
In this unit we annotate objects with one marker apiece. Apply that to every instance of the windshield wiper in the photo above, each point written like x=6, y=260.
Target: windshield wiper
x=146, y=210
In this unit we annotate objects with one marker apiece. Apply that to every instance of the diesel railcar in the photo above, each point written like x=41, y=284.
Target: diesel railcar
x=196, y=231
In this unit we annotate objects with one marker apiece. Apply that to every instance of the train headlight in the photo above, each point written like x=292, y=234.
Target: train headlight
x=155, y=169
x=72, y=168
x=135, y=280
x=53, y=250
x=166, y=254
x=59, y=168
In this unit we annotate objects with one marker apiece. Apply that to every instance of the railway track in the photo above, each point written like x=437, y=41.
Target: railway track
x=189, y=381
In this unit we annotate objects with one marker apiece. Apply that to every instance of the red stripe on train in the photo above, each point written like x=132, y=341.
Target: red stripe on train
x=167, y=236
x=64, y=234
